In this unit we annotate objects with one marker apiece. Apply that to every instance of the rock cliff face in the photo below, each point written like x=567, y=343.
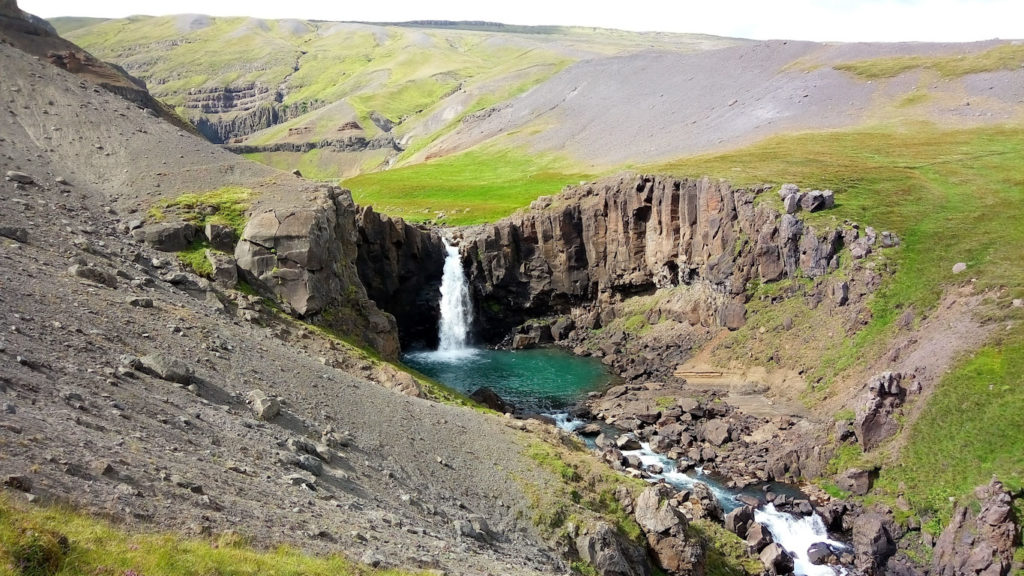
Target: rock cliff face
x=633, y=234
x=225, y=112
x=400, y=266
x=306, y=258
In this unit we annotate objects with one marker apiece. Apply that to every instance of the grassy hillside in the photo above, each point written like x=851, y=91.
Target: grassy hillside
x=59, y=541
x=325, y=75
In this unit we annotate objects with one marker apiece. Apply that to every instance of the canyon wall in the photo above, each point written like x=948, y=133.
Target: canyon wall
x=401, y=265
x=632, y=234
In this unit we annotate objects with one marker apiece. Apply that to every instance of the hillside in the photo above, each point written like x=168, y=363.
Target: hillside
x=811, y=295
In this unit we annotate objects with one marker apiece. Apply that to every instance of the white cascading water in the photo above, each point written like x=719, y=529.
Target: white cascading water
x=456, y=307
x=794, y=533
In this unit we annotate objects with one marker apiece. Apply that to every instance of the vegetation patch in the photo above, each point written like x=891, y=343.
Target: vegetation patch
x=726, y=552
x=586, y=489
x=471, y=188
x=59, y=541
x=969, y=431
x=226, y=206
x=1005, y=57
x=194, y=258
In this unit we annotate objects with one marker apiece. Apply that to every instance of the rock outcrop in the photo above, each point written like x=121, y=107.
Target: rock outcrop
x=877, y=419
x=633, y=234
x=982, y=543
x=306, y=258
x=401, y=265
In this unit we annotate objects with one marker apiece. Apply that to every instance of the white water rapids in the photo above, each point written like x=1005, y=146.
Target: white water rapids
x=794, y=533
x=456, y=307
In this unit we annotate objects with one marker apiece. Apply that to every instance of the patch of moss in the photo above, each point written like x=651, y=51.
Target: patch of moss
x=194, y=258
x=226, y=206
x=726, y=553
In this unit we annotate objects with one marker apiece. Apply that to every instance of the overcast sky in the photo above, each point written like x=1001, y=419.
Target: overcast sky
x=823, y=20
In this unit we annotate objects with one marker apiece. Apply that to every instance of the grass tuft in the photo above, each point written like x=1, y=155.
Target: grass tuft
x=226, y=206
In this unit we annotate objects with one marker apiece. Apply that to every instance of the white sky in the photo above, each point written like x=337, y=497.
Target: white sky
x=822, y=20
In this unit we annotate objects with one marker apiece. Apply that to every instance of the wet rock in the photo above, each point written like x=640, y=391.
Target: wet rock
x=264, y=407
x=739, y=520
x=819, y=553
x=627, y=442
x=166, y=368
x=167, y=236
x=488, y=397
x=758, y=538
x=775, y=560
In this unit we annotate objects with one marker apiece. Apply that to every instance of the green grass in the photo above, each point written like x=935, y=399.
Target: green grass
x=226, y=206
x=1004, y=57
x=194, y=258
x=58, y=541
x=726, y=552
x=952, y=196
x=473, y=187
x=969, y=431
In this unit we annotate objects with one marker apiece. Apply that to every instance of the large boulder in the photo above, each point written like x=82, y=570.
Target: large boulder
x=264, y=407
x=758, y=538
x=665, y=527
x=167, y=236
x=739, y=520
x=717, y=431
x=306, y=258
x=877, y=419
x=978, y=544
x=488, y=397
x=775, y=560
x=610, y=553
x=872, y=542
x=855, y=481
x=166, y=368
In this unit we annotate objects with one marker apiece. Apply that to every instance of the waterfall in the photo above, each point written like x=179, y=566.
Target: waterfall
x=456, y=307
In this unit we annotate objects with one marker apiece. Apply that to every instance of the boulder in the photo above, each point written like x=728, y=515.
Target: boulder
x=15, y=233
x=890, y=239
x=19, y=177
x=264, y=407
x=398, y=380
x=561, y=329
x=717, y=431
x=872, y=543
x=840, y=292
x=524, y=341
x=610, y=553
x=819, y=553
x=959, y=267
x=739, y=520
x=627, y=442
x=791, y=203
x=814, y=201
x=758, y=538
x=311, y=464
x=860, y=248
x=221, y=236
x=225, y=271
x=855, y=481
x=775, y=560
x=787, y=190
x=93, y=274
x=656, y=515
x=704, y=499
x=167, y=236
x=875, y=422
x=166, y=368
x=488, y=397
x=733, y=315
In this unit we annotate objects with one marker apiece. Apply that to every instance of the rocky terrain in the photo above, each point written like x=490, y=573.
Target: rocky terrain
x=196, y=342
x=134, y=388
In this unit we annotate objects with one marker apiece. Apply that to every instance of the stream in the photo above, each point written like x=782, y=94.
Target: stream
x=549, y=381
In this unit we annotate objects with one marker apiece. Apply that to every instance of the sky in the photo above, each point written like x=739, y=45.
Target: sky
x=818, y=20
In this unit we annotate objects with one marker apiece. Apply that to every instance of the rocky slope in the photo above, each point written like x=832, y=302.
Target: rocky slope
x=134, y=388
